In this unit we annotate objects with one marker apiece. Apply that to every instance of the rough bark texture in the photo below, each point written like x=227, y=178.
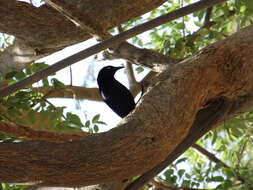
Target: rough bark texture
x=152, y=131
x=43, y=30
x=55, y=31
x=16, y=57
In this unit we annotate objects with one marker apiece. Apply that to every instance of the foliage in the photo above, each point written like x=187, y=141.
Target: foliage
x=230, y=144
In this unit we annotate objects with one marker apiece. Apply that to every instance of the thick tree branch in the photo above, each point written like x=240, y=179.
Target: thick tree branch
x=74, y=92
x=35, y=26
x=86, y=23
x=23, y=21
x=154, y=60
x=141, y=56
x=108, y=43
x=148, y=135
x=204, y=121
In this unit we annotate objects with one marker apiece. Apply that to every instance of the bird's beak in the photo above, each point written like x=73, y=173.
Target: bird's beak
x=117, y=68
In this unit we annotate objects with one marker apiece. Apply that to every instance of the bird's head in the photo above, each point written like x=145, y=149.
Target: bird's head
x=108, y=71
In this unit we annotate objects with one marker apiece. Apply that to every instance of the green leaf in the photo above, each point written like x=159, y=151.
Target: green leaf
x=74, y=119
x=168, y=173
x=214, y=137
x=217, y=179
x=87, y=124
x=139, y=69
x=186, y=183
x=39, y=66
x=57, y=84
x=101, y=122
x=181, y=172
x=45, y=82
x=227, y=183
x=180, y=160
x=197, y=23
x=10, y=74
x=20, y=75
x=96, y=129
x=228, y=172
x=249, y=5
x=187, y=176
x=95, y=119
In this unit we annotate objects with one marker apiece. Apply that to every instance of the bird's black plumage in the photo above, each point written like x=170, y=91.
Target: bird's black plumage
x=114, y=94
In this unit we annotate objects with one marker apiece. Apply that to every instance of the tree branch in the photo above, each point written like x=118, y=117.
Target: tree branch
x=204, y=121
x=20, y=131
x=85, y=23
x=209, y=155
x=152, y=131
x=133, y=84
x=151, y=59
x=141, y=56
x=74, y=92
x=26, y=19
x=108, y=43
x=23, y=20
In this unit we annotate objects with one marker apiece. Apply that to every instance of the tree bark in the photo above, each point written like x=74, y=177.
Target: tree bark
x=147, y=135
x=42, y=31
x=56, y=32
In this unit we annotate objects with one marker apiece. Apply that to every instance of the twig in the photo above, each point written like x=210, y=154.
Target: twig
x=208, y=16
x=53, y=106
x=208, y=24
x=209, y=155
x=183, y=22
x=71, y=76
x=108, y=43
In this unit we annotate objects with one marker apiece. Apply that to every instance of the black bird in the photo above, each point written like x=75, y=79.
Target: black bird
x=114, y=94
